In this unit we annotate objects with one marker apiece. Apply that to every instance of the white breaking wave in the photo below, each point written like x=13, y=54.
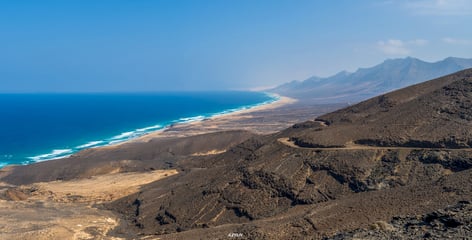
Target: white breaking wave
x=131, y=134
x=116, y=141
x=56, y=153
x=191, y=119
x=151, y=128
x=90, y=144
x=273, y=97
x=124, y=135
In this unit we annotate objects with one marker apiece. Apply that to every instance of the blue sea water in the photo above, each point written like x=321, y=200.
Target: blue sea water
x=40, y=127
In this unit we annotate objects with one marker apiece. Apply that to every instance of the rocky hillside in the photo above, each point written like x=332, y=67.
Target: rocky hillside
x=404, y=153
x=452, y=222
x=437, y=113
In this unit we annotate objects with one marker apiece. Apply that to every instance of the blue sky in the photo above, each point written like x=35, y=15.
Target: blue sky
x=143, y=45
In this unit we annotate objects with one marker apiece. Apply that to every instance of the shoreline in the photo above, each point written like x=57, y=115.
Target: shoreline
x=168, y=130
x=174, y=130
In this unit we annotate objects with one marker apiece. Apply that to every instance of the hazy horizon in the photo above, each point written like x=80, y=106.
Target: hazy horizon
x=167, y=46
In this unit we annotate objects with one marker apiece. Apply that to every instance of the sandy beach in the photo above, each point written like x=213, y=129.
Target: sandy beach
x=65, y=194
x=227, y=121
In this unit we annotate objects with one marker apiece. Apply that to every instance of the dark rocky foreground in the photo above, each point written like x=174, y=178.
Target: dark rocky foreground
x=453, y=222
x=383, y=168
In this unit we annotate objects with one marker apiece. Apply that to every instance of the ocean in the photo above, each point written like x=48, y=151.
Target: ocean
x=41, y=127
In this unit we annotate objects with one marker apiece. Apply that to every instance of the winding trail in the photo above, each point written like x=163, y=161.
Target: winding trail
x=353, y=146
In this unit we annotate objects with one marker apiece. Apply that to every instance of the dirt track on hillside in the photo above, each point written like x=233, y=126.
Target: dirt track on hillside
x=352, y=146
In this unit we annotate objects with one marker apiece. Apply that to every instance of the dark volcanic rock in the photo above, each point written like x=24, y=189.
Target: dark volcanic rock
x=452, y=222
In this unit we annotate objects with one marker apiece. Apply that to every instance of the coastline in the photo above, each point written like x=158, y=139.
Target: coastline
x=191, y=128
x=105, y=174
x=177, y=128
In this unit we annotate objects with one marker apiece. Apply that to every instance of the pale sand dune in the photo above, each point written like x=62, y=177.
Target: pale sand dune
x=97, y=189
x=63, y=209
x=50, y=220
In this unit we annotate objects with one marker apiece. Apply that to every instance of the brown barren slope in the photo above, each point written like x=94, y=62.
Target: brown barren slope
x=436, y=113
x=263, y=188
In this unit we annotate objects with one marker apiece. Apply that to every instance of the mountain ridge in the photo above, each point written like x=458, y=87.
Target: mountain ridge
x=364, y=83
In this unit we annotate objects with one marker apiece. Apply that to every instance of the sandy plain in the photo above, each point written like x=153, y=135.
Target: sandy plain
x=67, y=209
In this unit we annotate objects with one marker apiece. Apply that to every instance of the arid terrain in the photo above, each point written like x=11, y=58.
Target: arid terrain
x=65, y=209
x=395, y=166
x=62, y=199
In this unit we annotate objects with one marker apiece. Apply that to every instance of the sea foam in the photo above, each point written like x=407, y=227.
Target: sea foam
x=55, y=154
x=138, y=132
x=191, y=119
x=123, y=135
x=90, y=144
x=151, y=128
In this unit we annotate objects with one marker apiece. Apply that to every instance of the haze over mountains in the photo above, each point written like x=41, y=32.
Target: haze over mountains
x=390, y=75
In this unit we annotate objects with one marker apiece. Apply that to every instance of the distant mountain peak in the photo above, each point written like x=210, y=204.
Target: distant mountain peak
x=391, y=74
x=343, y=73
x=401, y=60
x=452, y=59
